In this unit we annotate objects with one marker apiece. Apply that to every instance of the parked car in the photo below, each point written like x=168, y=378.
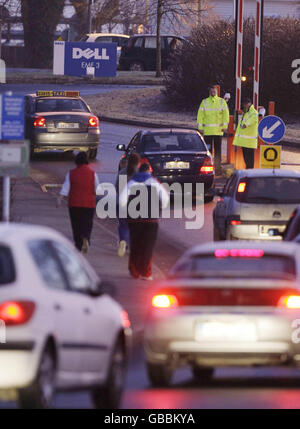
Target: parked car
x=229, y=304
x=60, y=120
x=120, y=39
x=63, y=331
x=140, y=52
x=174, y=155
x=255, y=201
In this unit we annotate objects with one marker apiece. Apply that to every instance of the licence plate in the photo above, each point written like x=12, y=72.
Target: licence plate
x=225, y=331
x=177, y=165
x=264, y=229
x=67, y=125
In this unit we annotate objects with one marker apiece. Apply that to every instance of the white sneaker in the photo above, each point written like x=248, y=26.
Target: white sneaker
x=122, y=248
x=146, y=278
x=85, y=246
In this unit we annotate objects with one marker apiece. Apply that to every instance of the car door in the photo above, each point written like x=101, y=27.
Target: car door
x=61, y=307
x=93, y=316
x=150, y=48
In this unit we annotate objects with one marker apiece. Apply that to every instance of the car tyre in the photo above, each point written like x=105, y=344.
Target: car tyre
x=202, y=375
x=109, y=395
x=136, y=66
x=39, y=395
x=159, y=375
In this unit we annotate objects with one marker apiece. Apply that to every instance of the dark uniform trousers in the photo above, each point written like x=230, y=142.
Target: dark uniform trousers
x=248, y=154
x=82, y=224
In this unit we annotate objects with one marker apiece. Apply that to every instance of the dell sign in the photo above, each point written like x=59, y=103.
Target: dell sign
x=82, y=58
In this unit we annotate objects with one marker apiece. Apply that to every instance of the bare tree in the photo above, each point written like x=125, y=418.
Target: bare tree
x=8, y=9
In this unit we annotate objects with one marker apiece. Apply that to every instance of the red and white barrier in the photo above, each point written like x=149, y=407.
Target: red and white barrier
x=239, y=13
x=257, y=50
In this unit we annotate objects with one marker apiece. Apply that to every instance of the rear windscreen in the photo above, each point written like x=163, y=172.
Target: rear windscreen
x=7, y=269
x=60, y=105
x=270, y=190
x=173, y=142
x=265, y=266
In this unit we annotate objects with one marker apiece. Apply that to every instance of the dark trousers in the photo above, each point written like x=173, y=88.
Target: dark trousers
x=214, y=143
x=248, y=154
x=142, y=241
x=82, y=224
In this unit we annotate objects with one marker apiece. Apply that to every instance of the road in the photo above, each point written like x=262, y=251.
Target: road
x=231, y=388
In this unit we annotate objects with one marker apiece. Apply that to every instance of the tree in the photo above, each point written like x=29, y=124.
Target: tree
x=40, y=19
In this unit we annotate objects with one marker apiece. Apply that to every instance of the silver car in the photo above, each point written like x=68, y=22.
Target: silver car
x=254, y=202
x=61, y=120
x=229, y=304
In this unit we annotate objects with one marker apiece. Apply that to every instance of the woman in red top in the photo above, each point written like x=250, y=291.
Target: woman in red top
x=80, y=187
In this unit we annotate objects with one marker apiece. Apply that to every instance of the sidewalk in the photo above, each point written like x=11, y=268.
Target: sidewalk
x=33, y=206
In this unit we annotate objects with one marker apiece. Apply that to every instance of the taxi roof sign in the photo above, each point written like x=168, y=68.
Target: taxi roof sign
x=58, y=93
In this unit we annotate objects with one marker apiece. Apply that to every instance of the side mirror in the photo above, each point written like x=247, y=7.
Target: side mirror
x=274, y=232
x=121, y=147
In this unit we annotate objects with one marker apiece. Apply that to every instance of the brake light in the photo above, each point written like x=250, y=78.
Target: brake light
x=16, y=312
x=146, y=160
x=239, y=253
x=241, y=187
x=289, y=301
x=93, y=121
x=39, y=122
x=164, y=301
x=235, y=222
x=207, y=166
x=125, y=319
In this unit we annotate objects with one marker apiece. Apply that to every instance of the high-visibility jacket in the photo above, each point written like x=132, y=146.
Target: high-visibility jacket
x=247, y=137
x=213, y=116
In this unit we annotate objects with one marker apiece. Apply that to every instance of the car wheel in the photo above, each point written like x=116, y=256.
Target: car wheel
x=203, y=375
x=92, y=154
x=40, y=393
x=217, y=236
x=109, y=395
x=136, y=66
x=159, y=375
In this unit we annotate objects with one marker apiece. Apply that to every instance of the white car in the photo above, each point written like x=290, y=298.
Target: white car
x=120, y=39
x=226, y=304
x=58, y=327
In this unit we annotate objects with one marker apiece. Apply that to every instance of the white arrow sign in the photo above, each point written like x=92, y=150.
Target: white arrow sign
x=268, y=132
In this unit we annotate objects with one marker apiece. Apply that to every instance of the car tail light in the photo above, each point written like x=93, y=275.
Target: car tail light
x=239, y=253
x=93, y=121
x=146, y=160
x=164, y=301
x=125, y=319
x=207, y=167
x=39, y=122
x=289, y=301
x=16, y=312
x=241, y=187
x=235, y=222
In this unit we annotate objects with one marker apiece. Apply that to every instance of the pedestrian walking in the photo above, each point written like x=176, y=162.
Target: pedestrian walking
x=80, y=187
x=213, y=120
x=126, y=173
x=247, y=132
x=144, y=227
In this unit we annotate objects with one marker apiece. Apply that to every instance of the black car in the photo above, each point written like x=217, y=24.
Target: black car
x=174, y=155
x=140, y=51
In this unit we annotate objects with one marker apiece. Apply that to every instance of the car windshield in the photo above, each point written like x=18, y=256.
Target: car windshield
x=60, y=105
x=7, y=269
x=172, y=142
x=270, y=190
x=266, y=266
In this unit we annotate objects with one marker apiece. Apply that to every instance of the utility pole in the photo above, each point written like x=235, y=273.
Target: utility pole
x=90, y=16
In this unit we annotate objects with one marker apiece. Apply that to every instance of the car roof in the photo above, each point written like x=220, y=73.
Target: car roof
x=154, y=35
x=282, y=248
x=21, y=232
x=170, y=130
x=264, y=172
x=108, y=34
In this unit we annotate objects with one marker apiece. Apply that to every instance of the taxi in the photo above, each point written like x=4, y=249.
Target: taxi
x=60, y=120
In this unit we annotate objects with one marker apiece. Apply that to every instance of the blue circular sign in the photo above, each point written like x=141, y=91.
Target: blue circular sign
x=271, y=129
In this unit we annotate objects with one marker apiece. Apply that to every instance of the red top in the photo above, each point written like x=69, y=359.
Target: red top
x=82, y=187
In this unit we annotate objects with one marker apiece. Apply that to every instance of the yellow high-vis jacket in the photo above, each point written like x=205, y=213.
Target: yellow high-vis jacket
x=247, y=137
x=213, y=116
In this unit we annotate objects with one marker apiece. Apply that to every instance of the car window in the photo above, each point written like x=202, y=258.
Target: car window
x=132, y=144
x=150, y=43
x=84, y=38
x=122, y=41
x=47, y=264
x=78, y=278
x=60, y=105
x=7, y=267
x=138, y=42
x=166, y=142
x=273, y=189
x=104, y=39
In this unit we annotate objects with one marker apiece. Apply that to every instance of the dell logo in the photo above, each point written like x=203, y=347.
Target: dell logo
x=88, y=53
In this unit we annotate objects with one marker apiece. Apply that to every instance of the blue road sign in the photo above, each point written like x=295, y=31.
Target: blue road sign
x=271, y=129
x=12, y=117
x=82, y=58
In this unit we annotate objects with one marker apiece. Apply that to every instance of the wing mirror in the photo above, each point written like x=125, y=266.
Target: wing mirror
x=121, y=147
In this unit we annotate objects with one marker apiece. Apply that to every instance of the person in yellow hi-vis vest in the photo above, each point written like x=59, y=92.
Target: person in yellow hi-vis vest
x=212, y=120
x=247, y=132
